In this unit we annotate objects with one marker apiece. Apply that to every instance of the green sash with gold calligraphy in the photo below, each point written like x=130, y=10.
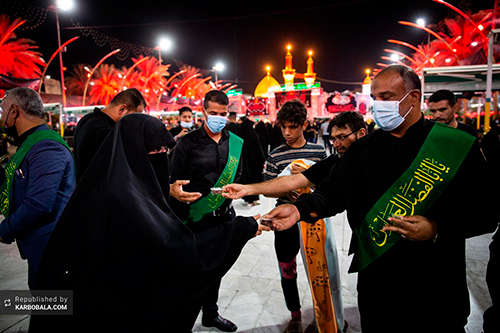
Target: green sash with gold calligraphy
x=438, y=160
x=211, y=202
x=16, y=160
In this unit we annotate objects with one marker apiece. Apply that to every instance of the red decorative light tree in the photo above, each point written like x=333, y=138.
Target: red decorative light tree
x=18, y=56
x=75, y=81
x=105, y=86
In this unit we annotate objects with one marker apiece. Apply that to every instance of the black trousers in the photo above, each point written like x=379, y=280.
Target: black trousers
x=210, y=307
x=287, y=246
x=222, y=215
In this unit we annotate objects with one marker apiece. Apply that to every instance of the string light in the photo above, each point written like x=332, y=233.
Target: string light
x=36, y=16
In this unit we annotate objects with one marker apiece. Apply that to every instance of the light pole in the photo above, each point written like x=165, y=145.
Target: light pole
x=421, y=22
x=164, y=44
x=50, y=60
x=219, y=67
x=64, y=5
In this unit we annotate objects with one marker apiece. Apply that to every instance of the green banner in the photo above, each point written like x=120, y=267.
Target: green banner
x=211, y=202
x=413, y=193
x=16, y=160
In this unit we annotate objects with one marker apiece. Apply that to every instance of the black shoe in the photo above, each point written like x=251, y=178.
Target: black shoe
x=221, y=323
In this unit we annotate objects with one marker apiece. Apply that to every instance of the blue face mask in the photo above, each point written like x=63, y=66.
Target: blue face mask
x=186, y=124
x=386, y=114
x=216, y=123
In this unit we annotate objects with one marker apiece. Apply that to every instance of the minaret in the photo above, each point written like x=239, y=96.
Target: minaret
x=310, y=76
x=288, y=72
x=367, y=83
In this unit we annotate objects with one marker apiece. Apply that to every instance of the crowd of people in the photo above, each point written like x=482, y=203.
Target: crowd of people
x=138, y=220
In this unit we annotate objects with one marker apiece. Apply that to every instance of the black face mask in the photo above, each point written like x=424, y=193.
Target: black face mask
x=160, y=165
x=11, y=131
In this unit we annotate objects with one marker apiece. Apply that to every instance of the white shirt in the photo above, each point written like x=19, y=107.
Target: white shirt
x=324, y=128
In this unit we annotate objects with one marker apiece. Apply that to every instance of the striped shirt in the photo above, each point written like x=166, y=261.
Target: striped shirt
x=283, y=155
x=280, y=157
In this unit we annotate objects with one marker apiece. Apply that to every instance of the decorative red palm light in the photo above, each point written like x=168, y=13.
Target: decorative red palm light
x=411, y=24
x=130, y=71
x=416, y=49
x=18, y=57
x=480, y=27
x=401, y=54
x=93, y=70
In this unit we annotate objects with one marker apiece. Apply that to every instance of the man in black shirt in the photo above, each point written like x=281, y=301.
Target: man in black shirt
x=345, y=129
x=95, y=127
x=185, y=123
x=418, y=284
x=203, y=156
x=443, y=107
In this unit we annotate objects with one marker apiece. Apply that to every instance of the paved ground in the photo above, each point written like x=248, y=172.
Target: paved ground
x=251, y=293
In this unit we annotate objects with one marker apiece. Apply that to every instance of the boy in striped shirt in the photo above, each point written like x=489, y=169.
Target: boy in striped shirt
x=292, y=117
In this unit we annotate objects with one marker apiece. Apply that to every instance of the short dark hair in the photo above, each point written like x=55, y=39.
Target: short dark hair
x=215, y=96
x=28, y=100
x=410, y=78
x=352, y=119
x=184, y=109
x=131, y=97
x=293, y=111
x=443, y=95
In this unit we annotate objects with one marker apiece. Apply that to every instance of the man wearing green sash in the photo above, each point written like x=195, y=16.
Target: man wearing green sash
x=38, y=180
x=209, y=157
x=402, y=187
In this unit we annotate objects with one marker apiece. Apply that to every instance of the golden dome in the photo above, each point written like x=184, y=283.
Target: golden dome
x=268, y=82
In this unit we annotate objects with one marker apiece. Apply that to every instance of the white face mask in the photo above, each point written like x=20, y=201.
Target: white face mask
x=216, y=123
x=386, y=114
x=185, y=124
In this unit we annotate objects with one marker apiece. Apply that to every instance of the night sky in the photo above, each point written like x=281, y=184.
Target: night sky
x=346, y=36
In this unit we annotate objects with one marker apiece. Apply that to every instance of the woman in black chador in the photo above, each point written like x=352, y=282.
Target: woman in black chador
x=131, y=263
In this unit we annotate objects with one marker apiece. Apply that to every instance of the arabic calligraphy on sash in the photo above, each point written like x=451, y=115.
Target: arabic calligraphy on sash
x=225, y=179
x=429, y=173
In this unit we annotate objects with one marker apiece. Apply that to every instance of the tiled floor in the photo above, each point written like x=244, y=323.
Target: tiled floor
x=251, y=293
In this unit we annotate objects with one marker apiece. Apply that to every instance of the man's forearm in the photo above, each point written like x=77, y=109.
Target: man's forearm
x=280, y=186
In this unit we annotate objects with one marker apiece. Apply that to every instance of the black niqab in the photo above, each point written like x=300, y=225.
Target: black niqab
x=132, y=264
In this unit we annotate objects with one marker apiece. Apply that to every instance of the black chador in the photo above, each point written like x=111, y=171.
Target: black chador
x=132, y=264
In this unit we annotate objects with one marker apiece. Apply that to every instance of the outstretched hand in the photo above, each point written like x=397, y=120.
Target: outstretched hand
x=234, y=191
x=177, y=192
x=283, y=216
x=261, y=227
x=413, y=227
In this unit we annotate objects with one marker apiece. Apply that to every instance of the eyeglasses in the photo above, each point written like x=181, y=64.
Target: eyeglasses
x=340, y=138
